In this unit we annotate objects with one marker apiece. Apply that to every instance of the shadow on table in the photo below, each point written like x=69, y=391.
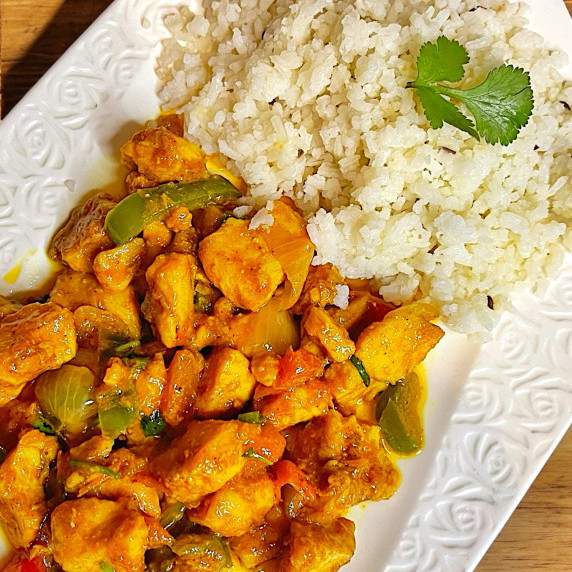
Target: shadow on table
x=70, y=21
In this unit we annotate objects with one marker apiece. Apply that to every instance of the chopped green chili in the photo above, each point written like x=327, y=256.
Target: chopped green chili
x=123, y=350
x=252, y=417
x=252, y=454
x=77, y=464
x=129, y=216
x=138, y=362
x=361, y=370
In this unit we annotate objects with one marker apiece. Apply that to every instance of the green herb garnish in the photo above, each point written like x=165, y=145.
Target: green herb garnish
x=361, y=370
x=42, y=424
x=500, y=105
x=153, y=424
x=252, y=454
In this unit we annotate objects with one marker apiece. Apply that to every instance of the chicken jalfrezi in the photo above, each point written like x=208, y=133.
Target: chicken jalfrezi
x=193, y=394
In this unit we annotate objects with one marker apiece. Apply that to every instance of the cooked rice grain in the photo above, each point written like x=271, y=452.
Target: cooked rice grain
x=308, y=99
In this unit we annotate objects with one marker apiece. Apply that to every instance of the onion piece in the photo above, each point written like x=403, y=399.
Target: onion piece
x=289, y=242
x=65, y=394
x=270, y=329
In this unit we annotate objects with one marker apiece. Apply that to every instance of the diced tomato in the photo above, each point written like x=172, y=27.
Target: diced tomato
x=295, y=367
x=376, y=311
x=288, y=473
x=26, y=565
x=269, y=443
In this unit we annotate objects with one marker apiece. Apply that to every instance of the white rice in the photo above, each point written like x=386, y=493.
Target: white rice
x=308, y=99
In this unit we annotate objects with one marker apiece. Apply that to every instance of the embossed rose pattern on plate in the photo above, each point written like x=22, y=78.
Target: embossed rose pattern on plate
x=490, y=427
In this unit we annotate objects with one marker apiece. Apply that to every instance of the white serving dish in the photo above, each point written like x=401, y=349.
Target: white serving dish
x=494, y=413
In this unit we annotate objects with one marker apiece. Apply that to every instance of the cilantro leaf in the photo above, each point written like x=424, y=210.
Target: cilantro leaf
x=153, y=425
x=439, y=110
x=43, y=424
x=501, y=104
x=441, y=61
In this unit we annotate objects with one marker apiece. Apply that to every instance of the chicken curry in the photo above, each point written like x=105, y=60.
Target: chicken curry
x=193, y=394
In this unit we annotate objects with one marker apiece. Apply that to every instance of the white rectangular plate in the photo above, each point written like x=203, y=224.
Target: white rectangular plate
x=494, y=413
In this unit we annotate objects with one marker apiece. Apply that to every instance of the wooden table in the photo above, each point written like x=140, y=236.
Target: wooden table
x=539, y=534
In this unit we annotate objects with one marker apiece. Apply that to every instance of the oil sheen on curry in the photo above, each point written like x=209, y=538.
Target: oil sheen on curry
x=193, y=394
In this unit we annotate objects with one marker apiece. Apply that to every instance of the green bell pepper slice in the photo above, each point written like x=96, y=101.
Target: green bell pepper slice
x=398, y=414
x=128, y=218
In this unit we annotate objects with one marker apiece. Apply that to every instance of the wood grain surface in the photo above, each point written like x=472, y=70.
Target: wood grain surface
x=538, y=536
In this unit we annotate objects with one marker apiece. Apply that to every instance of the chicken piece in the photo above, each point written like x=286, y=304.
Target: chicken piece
x=178, y=219
x=239, y=263
x=201, y=552
x=331, y=436
x=33, y=339
x=74, y=289
x=98, y=329
x=84, y=235
x=173, y=122
x=265, y=367
x=392, y=348
x=333, y=337
x=226, y=384
x=88, y=532
x=9, y=392
x=113, y=475
x=22, y=475
x=185, y=242
x=96, y=449
x=215, y=330
x=116, y=268
x=156, y=236
x=209, y=454
x=320, y=288
x=348, y=389
x=8, y=306
x=319, y=548
x=162, y=156
x=300, y=403
x=346, y=458
x=262, y=542
x=363, y=309
x=181, y=387
x=149, y=384
x=169, y=304
x=239, y=504
x=17, y=416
